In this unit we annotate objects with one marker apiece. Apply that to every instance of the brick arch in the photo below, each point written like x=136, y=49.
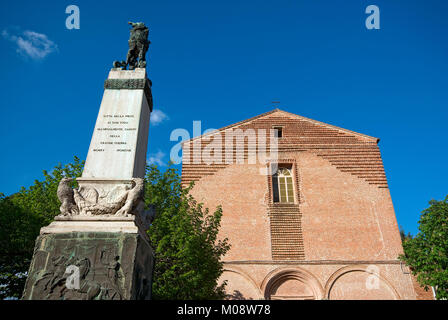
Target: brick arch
x=247, y=277
x=357, y=268
x=276, y=278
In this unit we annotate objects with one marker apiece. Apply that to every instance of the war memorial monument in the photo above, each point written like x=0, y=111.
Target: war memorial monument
x=97, y=247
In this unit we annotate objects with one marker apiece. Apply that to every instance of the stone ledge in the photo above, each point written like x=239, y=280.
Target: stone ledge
x=312, y=262
x=103, y=180
x=95, y=218
x=66, y=226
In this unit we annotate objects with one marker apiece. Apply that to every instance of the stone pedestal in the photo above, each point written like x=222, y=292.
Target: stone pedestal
x=99, y=240
x=109, y=266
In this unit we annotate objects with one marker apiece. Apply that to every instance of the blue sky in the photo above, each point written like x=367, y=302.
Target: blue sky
x=225, y=61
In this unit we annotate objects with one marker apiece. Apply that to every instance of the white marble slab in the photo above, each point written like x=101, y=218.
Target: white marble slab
x=119, y=141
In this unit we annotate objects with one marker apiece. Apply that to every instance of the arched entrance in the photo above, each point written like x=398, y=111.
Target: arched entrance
x=359, y=283
x=240, y=286
x=291, y=284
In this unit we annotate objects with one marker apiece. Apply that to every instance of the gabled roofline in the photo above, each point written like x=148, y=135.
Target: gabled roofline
x=289, y=113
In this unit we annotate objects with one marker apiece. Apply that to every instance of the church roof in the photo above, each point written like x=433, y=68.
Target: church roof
x=288, y=114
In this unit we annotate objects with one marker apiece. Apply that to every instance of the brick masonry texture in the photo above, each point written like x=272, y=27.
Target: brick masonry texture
x=339, y=239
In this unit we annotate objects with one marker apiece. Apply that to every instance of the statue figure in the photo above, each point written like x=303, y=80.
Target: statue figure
x=54, y=276
x=138, y=45
x=86, y=201
x=65, y=195
x=133, y=197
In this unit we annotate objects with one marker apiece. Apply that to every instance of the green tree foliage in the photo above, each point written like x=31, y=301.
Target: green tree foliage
x=184, y=238
x=183, y=235
x=427, y=252
x=403, y=235
x=17, y=230
x=21, y=217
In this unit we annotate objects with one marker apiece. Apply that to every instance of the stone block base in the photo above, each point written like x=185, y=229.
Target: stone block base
x=90, y=266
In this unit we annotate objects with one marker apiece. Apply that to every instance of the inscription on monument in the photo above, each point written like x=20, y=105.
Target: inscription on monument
x=114, y=132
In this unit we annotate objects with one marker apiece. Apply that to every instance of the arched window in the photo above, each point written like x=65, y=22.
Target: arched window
x=282, y=185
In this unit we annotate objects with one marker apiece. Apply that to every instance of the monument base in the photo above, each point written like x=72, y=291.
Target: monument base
x=90, y=266
x=114, y=224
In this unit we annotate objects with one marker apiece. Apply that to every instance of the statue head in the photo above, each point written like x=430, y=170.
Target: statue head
x=137, y=25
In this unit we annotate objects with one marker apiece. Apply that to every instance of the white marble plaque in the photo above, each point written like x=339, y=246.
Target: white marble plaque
x=119, y=141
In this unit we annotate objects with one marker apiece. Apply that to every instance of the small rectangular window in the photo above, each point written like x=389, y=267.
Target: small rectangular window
x=278, y=132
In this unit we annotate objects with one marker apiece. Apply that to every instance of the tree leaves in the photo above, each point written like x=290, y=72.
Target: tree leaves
x=427, y=253
x=183, y=235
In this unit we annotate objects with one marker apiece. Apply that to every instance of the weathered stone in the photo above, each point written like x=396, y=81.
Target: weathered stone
x=112, y=266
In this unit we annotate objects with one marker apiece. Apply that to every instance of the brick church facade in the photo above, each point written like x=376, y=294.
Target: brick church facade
x=320, y=226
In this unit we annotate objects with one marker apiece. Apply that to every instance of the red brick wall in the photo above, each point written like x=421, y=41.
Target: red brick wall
x=345, y=217
x=343, y=213
x=420, y=291
x=245, y=221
